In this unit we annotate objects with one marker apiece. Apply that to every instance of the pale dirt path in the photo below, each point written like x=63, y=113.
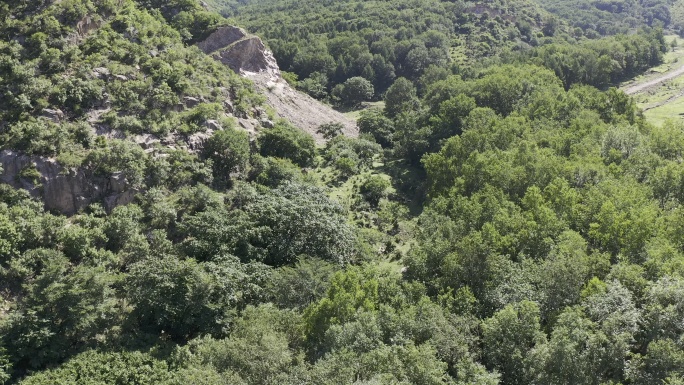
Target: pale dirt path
x=633, y=89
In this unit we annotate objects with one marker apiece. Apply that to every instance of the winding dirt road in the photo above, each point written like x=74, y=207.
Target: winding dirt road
x=636, y=88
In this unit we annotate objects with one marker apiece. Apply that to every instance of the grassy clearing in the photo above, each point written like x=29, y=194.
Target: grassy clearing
x=658, y=95
x=390, y=246
x=670, y=111
x=365, y=106
x=664, y=101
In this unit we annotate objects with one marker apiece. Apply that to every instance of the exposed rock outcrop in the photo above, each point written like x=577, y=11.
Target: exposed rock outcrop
x=63, y=190
x=68, y=191
x=247, y=55
x=242, y=52
x=54, y=115
x=221, y=38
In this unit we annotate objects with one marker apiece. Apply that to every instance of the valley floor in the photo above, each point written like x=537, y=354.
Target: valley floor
x=659, y=92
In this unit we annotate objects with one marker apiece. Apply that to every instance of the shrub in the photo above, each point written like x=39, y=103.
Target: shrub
x=374, y=188
x=286, y=141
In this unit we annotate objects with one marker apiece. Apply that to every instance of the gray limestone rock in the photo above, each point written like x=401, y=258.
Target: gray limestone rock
x=213, y=125
x=191, y=101
x=54, y=115
x=63, y=190
x=221, y=38
x=247, y=55
x=240, y=51
x=100, y=72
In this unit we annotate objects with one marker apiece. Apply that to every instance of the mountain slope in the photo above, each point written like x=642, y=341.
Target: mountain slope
x=595, y=18
x=83, y=79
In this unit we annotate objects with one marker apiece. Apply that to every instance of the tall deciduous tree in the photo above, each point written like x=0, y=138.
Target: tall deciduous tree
x=400, y=97
x=354, y=91
x=229, y=151
x=508, y=338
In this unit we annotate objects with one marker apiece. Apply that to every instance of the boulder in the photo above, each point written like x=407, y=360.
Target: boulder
x=228, y=106
x=197, y=140
x=213, y=125
x=117, y=182
x=101, y=72
x=191, y=101
x=146, y=141
x=55, y=115
x=267, y=123
x=114, y=200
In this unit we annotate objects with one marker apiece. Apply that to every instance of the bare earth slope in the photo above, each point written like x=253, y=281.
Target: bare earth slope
x=247, y=55
x=298, y=108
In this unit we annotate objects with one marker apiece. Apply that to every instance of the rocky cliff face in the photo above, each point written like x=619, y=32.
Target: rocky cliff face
x=222, y=38
x=247, y=55
x=63, y=190
x=242, y=52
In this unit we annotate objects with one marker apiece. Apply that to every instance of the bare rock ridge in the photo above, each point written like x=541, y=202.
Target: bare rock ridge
x=247, y=55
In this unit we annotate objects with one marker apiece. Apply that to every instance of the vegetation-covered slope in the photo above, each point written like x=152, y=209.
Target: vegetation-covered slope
x=595, y=18
x=511, y=225
x=331, y=46
x=78, y=72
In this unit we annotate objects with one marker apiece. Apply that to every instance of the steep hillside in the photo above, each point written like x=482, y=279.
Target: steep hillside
x=97, y=97
x=677, y=16
x=246, y=54
x=84, y=79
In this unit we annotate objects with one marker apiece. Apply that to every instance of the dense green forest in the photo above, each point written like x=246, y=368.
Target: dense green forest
x=505, y=216
x=324, y=44
x=611, y=17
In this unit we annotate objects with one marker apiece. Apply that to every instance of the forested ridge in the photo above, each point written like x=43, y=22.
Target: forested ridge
x=505, y=216
x=594, y=18
x=325, y=44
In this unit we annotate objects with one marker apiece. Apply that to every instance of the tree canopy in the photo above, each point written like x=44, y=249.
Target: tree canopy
x=517, y=221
